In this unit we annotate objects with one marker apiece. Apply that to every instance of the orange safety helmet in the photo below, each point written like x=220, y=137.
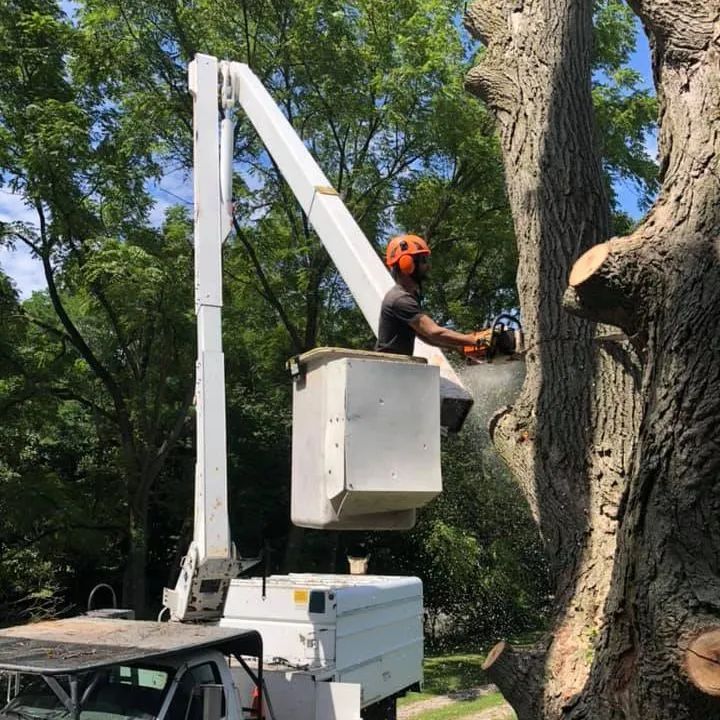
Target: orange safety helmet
x=400, y=251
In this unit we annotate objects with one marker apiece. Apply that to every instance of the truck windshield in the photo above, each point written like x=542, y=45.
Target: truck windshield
x=122, y=692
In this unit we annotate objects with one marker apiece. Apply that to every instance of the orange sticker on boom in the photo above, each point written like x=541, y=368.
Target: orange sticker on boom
x=300, y=597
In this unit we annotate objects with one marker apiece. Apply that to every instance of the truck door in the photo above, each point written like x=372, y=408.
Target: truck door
x=187, y=702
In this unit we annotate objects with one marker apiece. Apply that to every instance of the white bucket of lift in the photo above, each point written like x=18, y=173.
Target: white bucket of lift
x=366, y=439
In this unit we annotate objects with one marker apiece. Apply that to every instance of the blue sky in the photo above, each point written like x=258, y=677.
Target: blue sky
x=640, y=61
x=176, y=187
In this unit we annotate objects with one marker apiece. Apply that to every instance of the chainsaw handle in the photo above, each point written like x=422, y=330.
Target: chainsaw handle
x=483, y=342
x=497, y=320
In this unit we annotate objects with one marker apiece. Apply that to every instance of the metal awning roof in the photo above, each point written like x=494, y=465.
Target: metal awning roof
x=62, y=646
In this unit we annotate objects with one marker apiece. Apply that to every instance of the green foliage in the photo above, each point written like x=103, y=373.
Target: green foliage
x=458, y=203
x=89, y=111
x=71, y=488
x=626, y=112
x=444, y=674
x=476, y=550
x=100, y=364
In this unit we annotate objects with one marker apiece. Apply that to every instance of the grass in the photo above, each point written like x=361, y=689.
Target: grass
x=449, y=673
x=446, y=674
x=461, y=708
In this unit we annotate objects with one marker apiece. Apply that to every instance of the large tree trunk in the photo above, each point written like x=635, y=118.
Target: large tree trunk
x=134, y=576
x=614, y=443
x=660, y=657
x=566, y=439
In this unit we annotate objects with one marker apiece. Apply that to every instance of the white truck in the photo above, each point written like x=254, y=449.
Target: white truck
x=349, y=648
x=306, y=647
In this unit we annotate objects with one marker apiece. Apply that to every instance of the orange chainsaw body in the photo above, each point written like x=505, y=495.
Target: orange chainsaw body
x=497, y=339
x=483, y=348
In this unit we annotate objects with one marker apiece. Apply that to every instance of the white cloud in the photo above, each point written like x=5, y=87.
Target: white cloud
x=19, y=264
x=13, y=208
x=24, y=269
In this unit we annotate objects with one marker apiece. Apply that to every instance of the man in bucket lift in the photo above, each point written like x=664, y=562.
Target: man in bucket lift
x=401, y=317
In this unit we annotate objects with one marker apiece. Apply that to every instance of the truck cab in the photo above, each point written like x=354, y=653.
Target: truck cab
x=89, y=669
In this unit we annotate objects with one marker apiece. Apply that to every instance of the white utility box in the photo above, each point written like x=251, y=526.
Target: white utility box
x=364, y=630
x=366, y=439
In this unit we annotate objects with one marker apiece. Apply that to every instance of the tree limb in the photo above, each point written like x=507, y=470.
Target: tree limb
x=519, y=673
x=66, y=394
x=685, y=27
x=59, y=334
x=485, y=20
x=297, y=342
x=115, y=322
x=172, y=437
x=101, y=372
x=492, y=84
x=607, y=284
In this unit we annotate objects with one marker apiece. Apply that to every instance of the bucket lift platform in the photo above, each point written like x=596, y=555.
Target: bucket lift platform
x=366, y=439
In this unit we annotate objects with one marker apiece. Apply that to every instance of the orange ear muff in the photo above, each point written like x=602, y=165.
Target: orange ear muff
x=406, y=264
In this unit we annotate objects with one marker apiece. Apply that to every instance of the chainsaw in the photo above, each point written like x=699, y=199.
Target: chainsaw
x=499, y=338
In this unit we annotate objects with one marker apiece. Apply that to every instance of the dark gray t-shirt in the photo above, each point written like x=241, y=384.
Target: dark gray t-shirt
x=399, y=308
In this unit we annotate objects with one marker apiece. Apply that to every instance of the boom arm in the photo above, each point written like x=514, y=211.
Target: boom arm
x=211, y=561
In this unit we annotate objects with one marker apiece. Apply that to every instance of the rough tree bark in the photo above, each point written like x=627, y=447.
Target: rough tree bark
x=660, y=656
x=614, y=443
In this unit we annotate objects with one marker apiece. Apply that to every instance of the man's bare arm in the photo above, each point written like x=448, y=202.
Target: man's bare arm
x=435, y=334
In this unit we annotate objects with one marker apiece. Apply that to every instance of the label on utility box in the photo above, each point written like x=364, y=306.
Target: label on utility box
x=300, y=597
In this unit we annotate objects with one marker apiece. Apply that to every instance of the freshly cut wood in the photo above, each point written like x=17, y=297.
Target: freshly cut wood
x=494, y=654
x=606, y=285
x=518, y=673
x=588, y=263
x=702, y=662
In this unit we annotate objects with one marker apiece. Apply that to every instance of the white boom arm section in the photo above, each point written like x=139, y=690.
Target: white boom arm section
x=360, y=267
x=211, y=560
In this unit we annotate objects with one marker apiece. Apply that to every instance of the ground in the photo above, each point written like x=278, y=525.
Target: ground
x=454, y=688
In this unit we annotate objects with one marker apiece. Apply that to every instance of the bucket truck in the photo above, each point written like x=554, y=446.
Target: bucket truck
x=335, y=428
x=317, y=646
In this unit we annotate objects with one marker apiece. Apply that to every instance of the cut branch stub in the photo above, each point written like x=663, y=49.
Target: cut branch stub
x=588, y=263
x=494, y=654
x=702, y=662
x=604, y=286
x=519, y=675
x=484, y=20
x=492, y=85
x=493, y=79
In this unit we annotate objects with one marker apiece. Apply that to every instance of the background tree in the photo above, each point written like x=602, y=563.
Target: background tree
x=118, y=291
x=85, y=151
x=372, y=101
x=611, y=440
x=475, y=547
